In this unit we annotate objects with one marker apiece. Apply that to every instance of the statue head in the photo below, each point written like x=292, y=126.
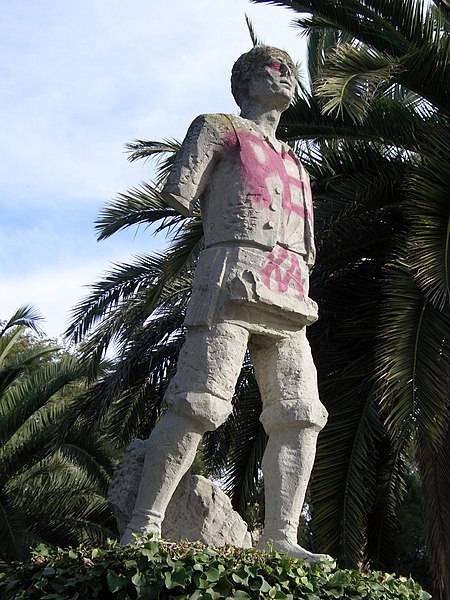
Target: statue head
x=255, y=63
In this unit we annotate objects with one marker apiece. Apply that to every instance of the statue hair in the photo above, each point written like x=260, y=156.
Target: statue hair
x=250, y=63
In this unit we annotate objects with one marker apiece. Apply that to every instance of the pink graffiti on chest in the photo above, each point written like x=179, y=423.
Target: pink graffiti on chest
x=265, y=162
x=282, y=267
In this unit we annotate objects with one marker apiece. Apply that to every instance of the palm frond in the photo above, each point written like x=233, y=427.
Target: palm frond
x=139, y=206
x=13, y=365
x=81, y=516
x=401, y=124
x=343, y=482
x=13, y=535
x=24, y=399
x=382, y=526
x=164, y=153
x=428, y=213
x=184, y=251
x=134, y=389
x=351, y=78
x=125, y=282
x=89, y=454
x=147, y=285
x=251, y=30
x=320, y=41
x=413, y=358
x=426, y=71
x=25, y=316
x=147, y=149
x=406, y=30
x=389, y=27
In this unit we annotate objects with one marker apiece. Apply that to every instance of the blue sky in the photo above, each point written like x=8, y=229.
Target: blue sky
x=77, y=81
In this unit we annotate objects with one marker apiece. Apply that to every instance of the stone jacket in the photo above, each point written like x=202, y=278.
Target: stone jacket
x=250, y=193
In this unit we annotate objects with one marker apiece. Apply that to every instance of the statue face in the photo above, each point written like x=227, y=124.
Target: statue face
x=273, y=83
x=264, y=74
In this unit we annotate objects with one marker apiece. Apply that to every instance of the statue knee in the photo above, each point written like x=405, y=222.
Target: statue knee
x=294, y=415
x=207, y=411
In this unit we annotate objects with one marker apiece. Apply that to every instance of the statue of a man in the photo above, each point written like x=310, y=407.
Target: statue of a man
x=250, y=290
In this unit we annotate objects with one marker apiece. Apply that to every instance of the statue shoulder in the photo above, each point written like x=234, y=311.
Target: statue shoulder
x=212, y=124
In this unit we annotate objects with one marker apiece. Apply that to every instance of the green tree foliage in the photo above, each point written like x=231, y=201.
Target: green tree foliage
x=372, y=129
x=53, y=482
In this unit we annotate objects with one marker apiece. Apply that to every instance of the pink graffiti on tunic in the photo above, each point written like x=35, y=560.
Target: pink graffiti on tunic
x=283, y=267
x=260, y=161
x=257, y=171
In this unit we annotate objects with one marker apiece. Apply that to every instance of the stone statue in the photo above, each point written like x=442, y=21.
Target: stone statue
x=250, y=290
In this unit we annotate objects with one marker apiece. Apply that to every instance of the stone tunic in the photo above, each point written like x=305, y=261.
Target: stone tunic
x=258, y=222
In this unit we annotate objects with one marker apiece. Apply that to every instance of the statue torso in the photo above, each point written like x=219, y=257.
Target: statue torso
x=250, y=192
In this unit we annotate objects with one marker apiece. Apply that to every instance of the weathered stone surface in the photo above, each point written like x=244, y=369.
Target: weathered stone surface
x=199, y=509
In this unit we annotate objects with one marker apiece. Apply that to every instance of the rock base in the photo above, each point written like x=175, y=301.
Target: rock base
x=199, y=509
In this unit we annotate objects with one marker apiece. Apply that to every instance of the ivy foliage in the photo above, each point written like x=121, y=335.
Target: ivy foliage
x=167, y=570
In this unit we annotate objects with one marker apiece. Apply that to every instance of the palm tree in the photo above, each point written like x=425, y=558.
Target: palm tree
x=382, y=74
x=52, y=486
x=369, y=132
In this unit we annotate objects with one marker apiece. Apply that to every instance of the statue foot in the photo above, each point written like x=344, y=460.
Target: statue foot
x=292, y=550
x=136, y=536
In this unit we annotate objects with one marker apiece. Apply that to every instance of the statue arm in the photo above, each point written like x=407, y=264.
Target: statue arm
x=180, y=204
x=193, y=165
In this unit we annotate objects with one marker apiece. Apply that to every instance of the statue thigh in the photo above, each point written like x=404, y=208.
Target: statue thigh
x=287, y=380
x=208, y=367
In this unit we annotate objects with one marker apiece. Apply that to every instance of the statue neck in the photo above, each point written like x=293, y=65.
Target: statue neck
x=266, y=120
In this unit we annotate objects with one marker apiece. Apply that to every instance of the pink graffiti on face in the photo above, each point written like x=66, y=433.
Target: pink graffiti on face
x=275, y=65
x=282, y=267
x=257, y=173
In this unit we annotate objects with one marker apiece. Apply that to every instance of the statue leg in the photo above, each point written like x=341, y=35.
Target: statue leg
x=287, y=466
x=199, y=400
x=170, y=452
x=292, y=417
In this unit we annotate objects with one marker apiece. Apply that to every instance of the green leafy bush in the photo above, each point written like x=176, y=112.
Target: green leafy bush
x=165, y=570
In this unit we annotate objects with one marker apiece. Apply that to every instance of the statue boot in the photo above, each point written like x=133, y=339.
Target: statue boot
x=287, y=466
x=170, y=452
